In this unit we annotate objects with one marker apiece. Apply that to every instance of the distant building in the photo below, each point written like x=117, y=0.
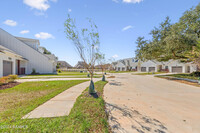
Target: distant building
x=172, y=66
x=64, y=65
x=80, y=65
x=106, y=66
x=128, y=64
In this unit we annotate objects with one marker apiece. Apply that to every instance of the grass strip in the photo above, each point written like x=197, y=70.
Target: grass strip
x=87, y=115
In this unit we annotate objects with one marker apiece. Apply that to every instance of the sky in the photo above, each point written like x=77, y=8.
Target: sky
x=120, y=22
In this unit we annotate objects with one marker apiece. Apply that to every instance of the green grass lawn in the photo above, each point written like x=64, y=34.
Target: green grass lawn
x=87, y=115
x=150, y=73
x=184, y=75
x=60, y=75
x=50, y=77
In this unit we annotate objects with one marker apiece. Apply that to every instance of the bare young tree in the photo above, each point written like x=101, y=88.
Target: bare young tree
x=102, y=64
x=86, y=42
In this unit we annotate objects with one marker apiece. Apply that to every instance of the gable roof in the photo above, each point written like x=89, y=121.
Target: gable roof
x=80, y=64
x=28, y=39
x=6, y=50
x=64, y=64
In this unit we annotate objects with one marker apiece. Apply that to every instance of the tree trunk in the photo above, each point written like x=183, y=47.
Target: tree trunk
x=91, y=87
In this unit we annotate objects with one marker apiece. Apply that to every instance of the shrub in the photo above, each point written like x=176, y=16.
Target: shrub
x=33, y=71
x=57, y=66
x=12, y=78
x=4, y=80
x=59, y=71
x=195, y=74
x=8, y=79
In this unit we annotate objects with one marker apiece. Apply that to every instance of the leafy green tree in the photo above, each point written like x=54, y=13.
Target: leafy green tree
x=46, y=51
x=179, y=41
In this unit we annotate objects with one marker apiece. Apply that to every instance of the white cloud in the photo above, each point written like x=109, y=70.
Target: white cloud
x=69, y=10
x=24, y=31
x=41, y=5
x=115, y=56
x=10, y=22
x=132, y=1
x=127, y=27
x=44, y=35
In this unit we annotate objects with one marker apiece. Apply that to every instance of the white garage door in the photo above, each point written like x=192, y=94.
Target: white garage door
x=152, y=69
x=177, y=69
x=7, y=68
x=143, y=69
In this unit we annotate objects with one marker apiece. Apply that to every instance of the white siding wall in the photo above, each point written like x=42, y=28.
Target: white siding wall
x=120, y=65
x=31, y=43
x=149, y=64
x=35, y=59
x=176, y=63
x=193, y=67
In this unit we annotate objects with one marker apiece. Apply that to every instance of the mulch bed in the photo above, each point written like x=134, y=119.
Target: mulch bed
x=9, y=85
x=111, y=77
x=187, y=82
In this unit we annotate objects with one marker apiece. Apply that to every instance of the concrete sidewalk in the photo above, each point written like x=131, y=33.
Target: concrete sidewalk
x=61, y=104
x=52, y=79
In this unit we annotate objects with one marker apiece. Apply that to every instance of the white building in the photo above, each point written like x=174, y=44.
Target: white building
x=172, y=66
x=21, y=55
x=128, y=64
x=177, y=66
x=150, y=66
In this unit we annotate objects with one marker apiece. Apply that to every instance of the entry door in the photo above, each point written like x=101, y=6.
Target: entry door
x=188, y=69
x=7, y=68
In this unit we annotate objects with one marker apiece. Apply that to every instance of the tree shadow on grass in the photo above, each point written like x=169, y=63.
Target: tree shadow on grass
x=139, y=123
x=95, y=95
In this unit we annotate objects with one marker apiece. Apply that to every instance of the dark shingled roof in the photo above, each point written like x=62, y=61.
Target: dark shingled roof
x=64, y=64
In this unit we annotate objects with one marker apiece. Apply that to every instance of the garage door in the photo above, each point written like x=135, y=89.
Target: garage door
x=7, y=68
x=177, y=69
x=152, y=69
x=143, y=69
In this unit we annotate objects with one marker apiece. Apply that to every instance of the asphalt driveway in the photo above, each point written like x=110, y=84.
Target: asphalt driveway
x=145, y=104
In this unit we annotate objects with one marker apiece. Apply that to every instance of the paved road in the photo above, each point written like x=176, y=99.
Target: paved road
x=145, y=104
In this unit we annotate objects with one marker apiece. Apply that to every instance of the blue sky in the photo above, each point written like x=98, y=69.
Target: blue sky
x=119, y=22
